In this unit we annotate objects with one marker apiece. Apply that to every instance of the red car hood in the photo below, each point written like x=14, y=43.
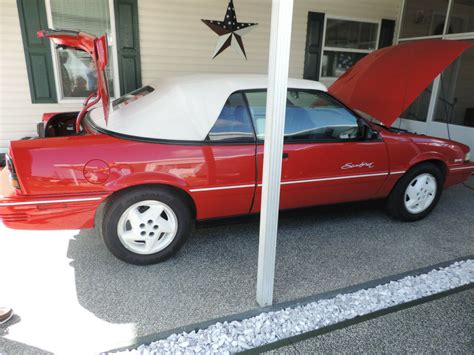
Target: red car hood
x=385, y=82
x=97, y=49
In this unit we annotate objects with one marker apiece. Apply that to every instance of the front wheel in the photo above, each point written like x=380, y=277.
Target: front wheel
x=146, y=226
x=416, y=193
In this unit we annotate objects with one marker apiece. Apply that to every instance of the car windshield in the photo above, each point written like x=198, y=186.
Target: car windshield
x=131, y=97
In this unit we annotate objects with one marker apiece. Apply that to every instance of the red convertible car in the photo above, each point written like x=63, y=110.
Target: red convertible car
x=191, y=148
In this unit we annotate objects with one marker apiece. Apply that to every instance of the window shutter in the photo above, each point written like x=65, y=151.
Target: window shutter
x=314, y=45
x=39, y=62
x=387, y=32
x=128, y=45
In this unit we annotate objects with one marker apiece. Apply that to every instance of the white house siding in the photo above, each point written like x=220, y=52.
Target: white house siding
x=173, y=41
x=18, y=116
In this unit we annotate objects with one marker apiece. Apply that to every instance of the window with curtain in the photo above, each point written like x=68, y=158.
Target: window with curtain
x=75, y=69
x=346, y=42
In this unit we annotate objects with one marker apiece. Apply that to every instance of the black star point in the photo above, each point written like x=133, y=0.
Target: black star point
x=230, y=31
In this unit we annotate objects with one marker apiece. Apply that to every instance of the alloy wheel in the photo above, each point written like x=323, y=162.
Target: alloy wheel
x=420, y=193
x=147, y=227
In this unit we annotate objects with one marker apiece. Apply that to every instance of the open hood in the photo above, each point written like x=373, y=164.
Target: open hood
x=97, y=49
x=387, y=81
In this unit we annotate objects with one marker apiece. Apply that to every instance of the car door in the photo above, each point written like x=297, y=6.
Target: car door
x=325, y=159
x=228, y=174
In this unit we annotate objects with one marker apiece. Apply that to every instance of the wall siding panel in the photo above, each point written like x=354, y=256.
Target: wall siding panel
x=18, y=116
x=173, y=41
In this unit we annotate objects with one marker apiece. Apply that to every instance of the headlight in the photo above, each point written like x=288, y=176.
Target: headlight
x=467, y=158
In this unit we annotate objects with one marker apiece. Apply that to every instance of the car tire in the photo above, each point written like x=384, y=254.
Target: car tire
x=147, y=225
x=417, y=193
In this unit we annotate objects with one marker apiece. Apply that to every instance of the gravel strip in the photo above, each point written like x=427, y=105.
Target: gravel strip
x=236, y=336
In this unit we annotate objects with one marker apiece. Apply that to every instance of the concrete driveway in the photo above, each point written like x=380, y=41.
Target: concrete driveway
x=72, y=296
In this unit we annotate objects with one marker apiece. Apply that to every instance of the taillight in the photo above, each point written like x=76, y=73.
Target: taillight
x=12, y=173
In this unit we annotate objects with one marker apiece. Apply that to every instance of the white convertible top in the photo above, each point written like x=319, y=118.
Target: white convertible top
x=184, y=108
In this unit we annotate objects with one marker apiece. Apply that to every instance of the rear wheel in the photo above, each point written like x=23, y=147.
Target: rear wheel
x=146, y=226
x=416, y=193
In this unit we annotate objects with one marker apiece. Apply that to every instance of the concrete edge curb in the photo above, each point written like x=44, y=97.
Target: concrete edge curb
x=359, y=319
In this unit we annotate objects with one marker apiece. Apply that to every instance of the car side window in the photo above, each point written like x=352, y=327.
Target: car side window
x=311, y=116
x=233, y=124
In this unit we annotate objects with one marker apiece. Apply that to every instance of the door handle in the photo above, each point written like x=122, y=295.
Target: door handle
x=285, y=155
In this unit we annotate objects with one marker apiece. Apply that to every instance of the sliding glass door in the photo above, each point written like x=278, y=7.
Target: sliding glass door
x=446, y=108
x=454, y=111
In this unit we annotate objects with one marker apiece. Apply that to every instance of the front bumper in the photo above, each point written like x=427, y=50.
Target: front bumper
x=46, y=212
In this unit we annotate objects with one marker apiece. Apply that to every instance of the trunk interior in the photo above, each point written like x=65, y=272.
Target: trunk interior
x=59, y=125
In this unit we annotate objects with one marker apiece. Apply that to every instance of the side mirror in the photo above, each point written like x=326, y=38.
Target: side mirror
x=370, y=134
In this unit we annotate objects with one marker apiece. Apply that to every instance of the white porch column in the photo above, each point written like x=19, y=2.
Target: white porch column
x=280, y=39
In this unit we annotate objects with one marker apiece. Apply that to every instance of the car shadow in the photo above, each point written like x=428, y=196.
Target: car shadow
x=214, y=274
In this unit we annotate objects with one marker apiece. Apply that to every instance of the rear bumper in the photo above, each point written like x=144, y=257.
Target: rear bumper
x=46, y=212
x=459, y=173
x=71, y=212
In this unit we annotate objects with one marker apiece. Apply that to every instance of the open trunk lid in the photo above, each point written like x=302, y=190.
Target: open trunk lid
x=97, y=49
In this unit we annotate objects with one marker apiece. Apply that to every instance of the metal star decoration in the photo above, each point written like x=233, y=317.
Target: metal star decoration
x=230, y=32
